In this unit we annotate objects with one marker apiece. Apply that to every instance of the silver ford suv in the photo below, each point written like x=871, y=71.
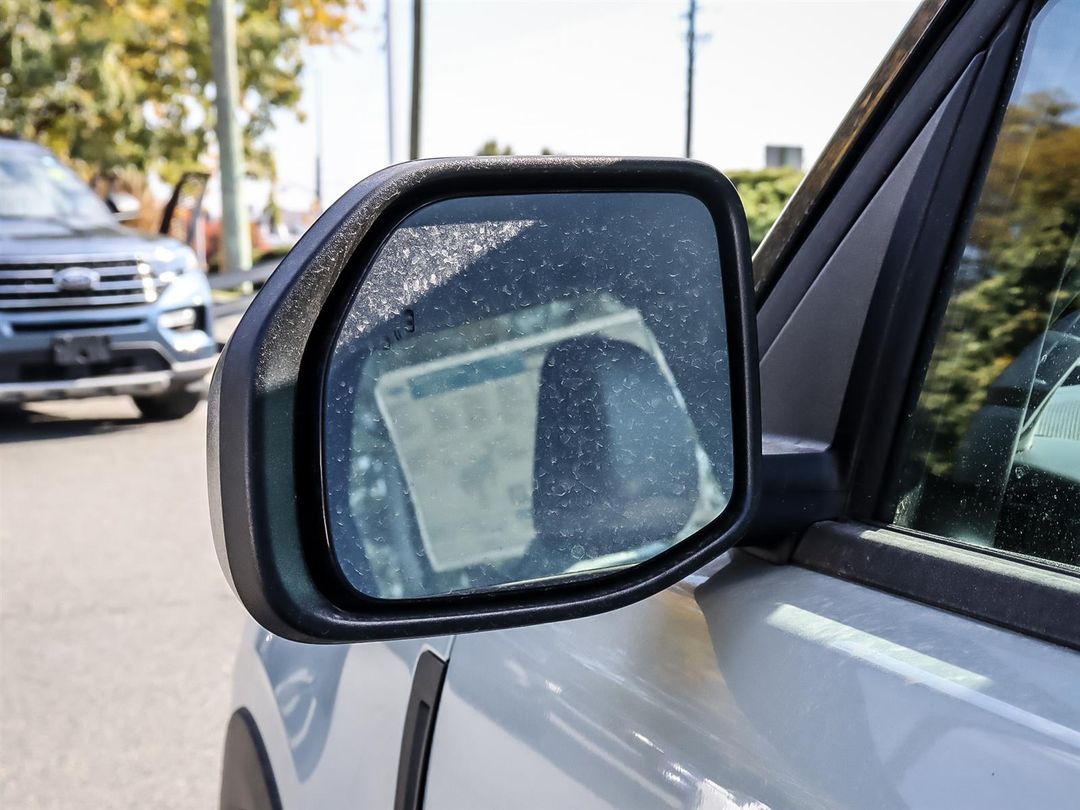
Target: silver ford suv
x=89, y=307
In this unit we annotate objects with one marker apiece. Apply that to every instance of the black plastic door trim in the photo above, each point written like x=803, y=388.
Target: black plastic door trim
x=419, y=729
x=914, y=278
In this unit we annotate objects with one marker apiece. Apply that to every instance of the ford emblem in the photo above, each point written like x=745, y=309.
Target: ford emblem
x=76, y=279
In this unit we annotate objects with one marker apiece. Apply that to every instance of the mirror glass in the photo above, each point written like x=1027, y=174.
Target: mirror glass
x=528, y=387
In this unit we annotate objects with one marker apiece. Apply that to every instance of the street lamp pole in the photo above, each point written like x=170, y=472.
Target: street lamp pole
x=318, y=133
x=236, y=231
x=389, y=88
x=417, y=72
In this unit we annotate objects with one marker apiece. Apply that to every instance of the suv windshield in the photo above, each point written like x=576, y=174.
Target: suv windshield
x=35, y=185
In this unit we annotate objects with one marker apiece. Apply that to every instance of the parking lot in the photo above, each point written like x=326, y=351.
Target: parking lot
x=118, y=630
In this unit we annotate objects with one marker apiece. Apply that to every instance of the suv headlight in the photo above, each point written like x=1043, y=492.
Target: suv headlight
x=168, y=262
x=179, y=320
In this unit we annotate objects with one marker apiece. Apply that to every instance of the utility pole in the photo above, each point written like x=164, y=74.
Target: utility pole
x=236, y=231
x=691, y=41
x=318, y=133
x=417, y=70
x=389, y=88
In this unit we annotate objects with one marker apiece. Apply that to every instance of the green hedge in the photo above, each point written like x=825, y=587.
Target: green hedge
x=764, y=193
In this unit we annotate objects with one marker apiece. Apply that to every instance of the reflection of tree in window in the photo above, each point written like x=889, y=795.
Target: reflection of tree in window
x=991, y=455
x=1012, y=286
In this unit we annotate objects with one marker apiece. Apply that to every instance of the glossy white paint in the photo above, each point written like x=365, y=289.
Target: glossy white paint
x=761, y=686
x=330, y=716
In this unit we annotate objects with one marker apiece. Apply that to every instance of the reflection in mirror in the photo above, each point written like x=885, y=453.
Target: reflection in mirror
x=527, y=387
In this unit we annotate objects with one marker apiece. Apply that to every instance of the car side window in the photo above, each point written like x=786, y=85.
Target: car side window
x=990, y=455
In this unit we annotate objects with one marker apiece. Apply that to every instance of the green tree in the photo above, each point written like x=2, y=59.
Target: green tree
x=1018, y=276
x=128, y=83
x=492, y=148
x=764, y=193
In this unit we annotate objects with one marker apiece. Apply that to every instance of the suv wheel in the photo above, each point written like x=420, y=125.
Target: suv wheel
x=173, y=405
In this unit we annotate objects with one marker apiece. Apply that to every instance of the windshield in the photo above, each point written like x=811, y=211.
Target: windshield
x=35, y=185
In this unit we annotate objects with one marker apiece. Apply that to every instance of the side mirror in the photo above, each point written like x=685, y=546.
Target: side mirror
x=489, y=392
x=125, y=207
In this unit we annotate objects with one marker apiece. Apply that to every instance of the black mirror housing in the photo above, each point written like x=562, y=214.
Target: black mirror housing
x=266, y=459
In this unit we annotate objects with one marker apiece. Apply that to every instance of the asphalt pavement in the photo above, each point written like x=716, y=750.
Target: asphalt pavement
x=117, y=630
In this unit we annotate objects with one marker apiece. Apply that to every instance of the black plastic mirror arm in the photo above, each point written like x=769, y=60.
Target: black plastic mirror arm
x=263, y=459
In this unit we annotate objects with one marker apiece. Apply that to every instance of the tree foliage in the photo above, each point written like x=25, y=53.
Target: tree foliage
x=764, y=193
x=128, y=83
x=492, y=147
x=1020, y=272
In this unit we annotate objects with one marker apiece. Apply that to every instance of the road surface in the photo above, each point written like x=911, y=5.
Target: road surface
x=117, y=630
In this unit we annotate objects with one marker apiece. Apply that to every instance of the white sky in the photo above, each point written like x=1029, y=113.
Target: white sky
x=595, y=77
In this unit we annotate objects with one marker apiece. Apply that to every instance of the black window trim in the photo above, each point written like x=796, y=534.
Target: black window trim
x=1035, y=597
x=892, y=118
x=932, y=234
x=921, y=37
x=998, y=588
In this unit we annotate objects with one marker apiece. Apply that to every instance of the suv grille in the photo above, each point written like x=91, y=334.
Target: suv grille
x=67, y=283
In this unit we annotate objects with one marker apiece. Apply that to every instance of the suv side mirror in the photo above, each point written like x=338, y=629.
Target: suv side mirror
x=125, y=207
x=489, y=392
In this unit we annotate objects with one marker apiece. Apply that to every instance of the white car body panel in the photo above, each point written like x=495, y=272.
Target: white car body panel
x=330, y=716
x=764, y=686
